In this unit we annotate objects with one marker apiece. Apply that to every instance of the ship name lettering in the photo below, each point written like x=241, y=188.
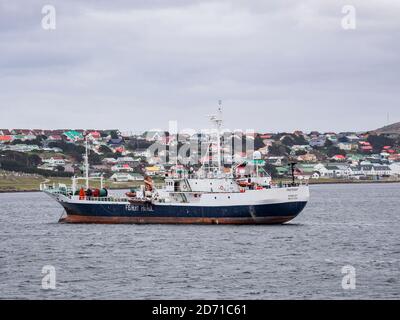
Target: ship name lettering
x=135, y=208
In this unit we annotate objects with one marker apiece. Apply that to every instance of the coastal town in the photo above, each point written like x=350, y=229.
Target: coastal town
x=122, y=157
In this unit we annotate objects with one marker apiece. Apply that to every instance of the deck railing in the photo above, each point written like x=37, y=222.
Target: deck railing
x=107, y=199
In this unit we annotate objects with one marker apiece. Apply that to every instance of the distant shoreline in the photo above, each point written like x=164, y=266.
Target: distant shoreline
x=38, y=190
x=310, y=183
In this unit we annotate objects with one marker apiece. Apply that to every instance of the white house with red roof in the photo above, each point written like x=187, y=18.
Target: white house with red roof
x=95, y=135
x=339, y=157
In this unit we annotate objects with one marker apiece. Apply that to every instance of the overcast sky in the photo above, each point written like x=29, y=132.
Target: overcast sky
x=134, y=65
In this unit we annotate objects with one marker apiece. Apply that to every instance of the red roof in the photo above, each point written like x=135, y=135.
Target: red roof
x=339, y=156
x=5, y=138
x=95, y=134
x=55, y=137
x=394, y=157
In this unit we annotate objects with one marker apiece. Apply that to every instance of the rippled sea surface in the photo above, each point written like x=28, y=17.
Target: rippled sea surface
x=355, y=225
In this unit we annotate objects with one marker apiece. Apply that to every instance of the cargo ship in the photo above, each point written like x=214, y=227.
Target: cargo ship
x=203, y=197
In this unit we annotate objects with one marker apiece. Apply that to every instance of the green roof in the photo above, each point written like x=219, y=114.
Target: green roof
x=356, y=156
x=73, y=135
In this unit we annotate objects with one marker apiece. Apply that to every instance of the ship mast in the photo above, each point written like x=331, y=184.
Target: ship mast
x=87, y=162
x=217, y=121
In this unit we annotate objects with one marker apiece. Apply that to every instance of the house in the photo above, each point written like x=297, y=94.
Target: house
x=6, y=139
x=22, y=132
x=266, y=136
x=365, y=146
x=318, y=141
x=23, y=148
x=276, y=161
x=37, y=132
x=382, y=170
x=332, y=171
x=304, y=147
x=307, y=175
x=314, y=134
x=55, y=161
x=46, y=166
x=121, y=168
x=394, y=157
x=24, y=137
x=54, y=138
x=352, y=138
x=154, y=171
x=305, y=171
x=339, y=157
x=145, y=153
x=395, y=168
x=120, y=149
x=5, y=132
x=109, y=161
x=116, y=142
x=371, y=170
x=69, y=168
x=355, y=157
x=308, y=157
x=154, y=135
x=346, y=146
x=125, y=177
x=73, y=135
x=95, y=135
x=126, y=160
x=331, y=136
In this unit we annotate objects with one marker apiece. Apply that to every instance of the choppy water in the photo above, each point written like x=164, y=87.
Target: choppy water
x=354, y=225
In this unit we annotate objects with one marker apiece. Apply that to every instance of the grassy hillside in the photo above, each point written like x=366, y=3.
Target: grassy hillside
x=10, y=183
x=393, y=128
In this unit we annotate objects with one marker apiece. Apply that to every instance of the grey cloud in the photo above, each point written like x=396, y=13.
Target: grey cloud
x=278, y=66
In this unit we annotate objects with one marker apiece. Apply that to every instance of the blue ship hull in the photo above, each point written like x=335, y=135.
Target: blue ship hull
x=147, y=213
